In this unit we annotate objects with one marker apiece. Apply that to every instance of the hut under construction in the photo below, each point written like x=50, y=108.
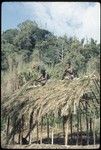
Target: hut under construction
x=61, y=111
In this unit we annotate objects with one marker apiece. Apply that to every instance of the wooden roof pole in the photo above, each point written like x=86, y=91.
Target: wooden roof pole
x=7, y=132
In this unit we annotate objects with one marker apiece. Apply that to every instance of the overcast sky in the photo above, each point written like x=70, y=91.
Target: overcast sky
x=81, y=19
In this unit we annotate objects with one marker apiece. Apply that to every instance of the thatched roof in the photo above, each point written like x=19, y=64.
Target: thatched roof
x=55, y=95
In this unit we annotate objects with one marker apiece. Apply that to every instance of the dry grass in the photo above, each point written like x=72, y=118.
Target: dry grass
x=55, y=95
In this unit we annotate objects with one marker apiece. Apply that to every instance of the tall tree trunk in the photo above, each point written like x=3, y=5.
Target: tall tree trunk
x=41, y=130
x=7, y=133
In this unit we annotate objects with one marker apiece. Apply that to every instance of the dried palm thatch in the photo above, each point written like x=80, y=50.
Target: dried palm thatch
x=55, y=95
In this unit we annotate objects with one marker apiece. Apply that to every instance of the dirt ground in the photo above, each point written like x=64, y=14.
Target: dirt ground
x=49, y=146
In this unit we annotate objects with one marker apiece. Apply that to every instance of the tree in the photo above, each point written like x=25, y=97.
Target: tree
x=24, y=38
x=9, y=35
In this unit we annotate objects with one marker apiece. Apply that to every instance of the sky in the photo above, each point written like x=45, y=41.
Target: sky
x=80, y=19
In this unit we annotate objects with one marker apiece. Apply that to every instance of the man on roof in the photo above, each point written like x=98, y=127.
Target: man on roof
x=69, y=72
x=43, y=77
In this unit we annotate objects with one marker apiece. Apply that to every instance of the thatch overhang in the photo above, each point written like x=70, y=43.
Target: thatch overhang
x=56, y=95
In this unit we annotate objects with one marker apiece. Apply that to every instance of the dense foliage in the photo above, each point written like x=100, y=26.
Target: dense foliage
x=33, y=43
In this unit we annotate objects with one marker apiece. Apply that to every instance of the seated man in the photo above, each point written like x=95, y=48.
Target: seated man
x=69, y=73
x=43, y=78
